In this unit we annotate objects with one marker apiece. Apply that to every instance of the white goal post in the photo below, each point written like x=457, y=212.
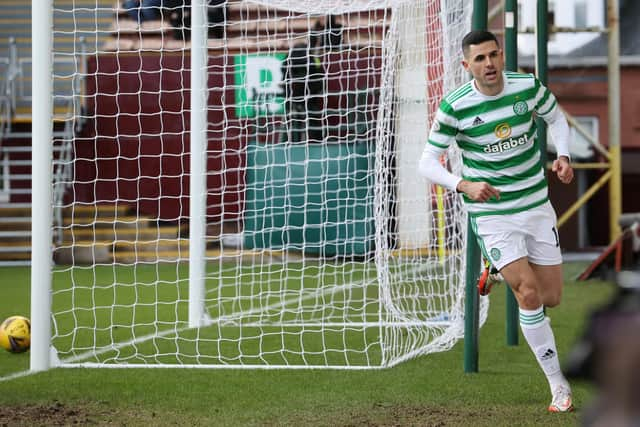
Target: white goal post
x=241, y=187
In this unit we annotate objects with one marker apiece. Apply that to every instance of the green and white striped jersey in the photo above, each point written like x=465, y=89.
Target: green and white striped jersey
x=497, y=137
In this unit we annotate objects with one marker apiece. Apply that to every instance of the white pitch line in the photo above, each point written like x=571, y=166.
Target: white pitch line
x=258, y=310
x=17, y=375
x=219, y=320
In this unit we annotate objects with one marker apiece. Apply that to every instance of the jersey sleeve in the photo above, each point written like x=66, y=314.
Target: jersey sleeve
x=546, y=103
x=443, y=128
x=431, y=168
x=547, y=108
x=443, y=132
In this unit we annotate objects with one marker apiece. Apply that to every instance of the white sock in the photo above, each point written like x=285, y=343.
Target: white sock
x=537, y=331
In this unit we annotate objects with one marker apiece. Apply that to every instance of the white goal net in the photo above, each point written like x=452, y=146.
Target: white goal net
x=282, y=222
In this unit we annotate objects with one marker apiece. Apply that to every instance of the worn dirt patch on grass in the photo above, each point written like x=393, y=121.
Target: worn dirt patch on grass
x=387, y=415
x=394, y=415
x=390, y=415
x=90, y=414
x=377, y=415
x=54, y=414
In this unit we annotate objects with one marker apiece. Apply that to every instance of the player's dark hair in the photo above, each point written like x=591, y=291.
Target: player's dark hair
x=477, y=37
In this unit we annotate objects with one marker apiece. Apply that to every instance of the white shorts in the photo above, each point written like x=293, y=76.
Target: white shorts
x=532, y=234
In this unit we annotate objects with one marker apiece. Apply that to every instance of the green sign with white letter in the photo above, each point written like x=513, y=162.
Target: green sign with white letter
x=258, y=82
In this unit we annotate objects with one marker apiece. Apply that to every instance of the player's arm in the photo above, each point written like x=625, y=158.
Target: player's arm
x=431, y=168
x=547, y=108
x=440, y=137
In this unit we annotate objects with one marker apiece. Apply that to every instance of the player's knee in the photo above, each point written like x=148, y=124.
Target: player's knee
x=527, y=294
x=552, y=299
x=530, y=299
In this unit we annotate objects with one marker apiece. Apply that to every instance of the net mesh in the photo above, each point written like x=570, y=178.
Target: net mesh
x=323, y=246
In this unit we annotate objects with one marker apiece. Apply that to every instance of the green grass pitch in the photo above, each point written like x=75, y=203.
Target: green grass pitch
x=429, y=390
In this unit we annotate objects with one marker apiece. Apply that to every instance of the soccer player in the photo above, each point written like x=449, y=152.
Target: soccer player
x=492, y=120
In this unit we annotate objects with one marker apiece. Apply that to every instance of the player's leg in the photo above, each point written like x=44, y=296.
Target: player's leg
x=509, y=245
x=549, y=279
x=500, y=246
x=545, y=258
x=536, y=329
x=524, y=283
x=543, y=249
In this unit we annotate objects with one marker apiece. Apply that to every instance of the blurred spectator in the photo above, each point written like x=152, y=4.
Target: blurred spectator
x=143, y=10
x=333, y=33
x=609, y=355
x=304, y=91
x=180, y=18
x=217, y=17
x=327, y=35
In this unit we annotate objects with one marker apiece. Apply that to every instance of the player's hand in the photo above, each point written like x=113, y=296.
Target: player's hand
x=563, y=169
x=478, y=191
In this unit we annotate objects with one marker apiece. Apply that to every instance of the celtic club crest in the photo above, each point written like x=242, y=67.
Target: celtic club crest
x=520, y=108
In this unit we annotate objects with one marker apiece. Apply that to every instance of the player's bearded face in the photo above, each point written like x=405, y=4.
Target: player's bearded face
x=485, y=62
